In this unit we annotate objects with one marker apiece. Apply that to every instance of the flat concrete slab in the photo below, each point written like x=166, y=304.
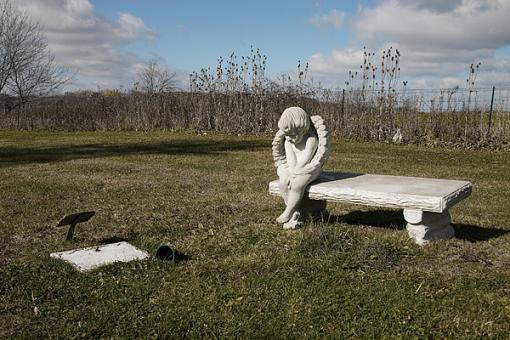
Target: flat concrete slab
x=426, y=194
x=86, y=259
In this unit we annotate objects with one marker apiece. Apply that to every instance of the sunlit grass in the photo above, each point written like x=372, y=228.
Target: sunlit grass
x=355, y=274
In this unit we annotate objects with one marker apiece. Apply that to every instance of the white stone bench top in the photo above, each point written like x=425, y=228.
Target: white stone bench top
x=426, y=194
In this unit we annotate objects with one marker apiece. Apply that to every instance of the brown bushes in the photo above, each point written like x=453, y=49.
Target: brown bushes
x=237, y=97
x=347, y=113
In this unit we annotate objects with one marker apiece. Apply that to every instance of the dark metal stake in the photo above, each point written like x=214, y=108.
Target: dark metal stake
x=70, y=232
x=490, y=112
x=73, y=220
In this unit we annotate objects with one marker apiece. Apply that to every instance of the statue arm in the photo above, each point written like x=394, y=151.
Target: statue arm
x=308, y=153
x=290, y=155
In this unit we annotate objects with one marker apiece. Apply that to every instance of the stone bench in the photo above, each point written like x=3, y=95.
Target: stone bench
x=425, y=201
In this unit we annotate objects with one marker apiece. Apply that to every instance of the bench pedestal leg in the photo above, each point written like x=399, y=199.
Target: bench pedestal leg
x=424, y=226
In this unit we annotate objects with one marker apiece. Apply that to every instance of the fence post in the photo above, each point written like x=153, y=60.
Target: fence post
x=343, y=109
x=490, y=112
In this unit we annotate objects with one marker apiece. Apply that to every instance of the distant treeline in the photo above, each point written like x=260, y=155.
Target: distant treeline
x=237, y=97
x=350, y=114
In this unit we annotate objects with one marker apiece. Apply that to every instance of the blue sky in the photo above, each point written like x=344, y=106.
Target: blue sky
x=108, y=41
x=193, y=34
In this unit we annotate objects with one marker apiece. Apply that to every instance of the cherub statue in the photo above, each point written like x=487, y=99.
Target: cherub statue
x=300, y=148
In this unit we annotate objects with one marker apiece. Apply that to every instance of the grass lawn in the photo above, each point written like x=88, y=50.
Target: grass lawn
x=355, y=275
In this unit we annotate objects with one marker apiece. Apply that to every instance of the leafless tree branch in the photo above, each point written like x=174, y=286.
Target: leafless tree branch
x=27, y=68
x=155, y=79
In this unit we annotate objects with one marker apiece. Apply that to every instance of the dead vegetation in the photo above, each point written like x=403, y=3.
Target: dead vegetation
x=238, y=97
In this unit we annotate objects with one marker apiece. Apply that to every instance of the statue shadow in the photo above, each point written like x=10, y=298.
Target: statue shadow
x=394, y=219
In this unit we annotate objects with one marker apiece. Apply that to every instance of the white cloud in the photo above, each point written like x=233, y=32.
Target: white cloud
x=438, y=6
x=473, y=24
x=131, y=27
x=438, y=40
x=333, y=18
x=87, y=42
x=335, y=63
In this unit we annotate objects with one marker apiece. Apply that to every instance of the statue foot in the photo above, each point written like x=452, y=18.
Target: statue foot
x=283, y=218
x=294, y=222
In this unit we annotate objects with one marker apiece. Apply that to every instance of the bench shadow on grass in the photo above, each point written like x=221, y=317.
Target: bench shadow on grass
x=394, y=219
x=17, y=156
x=474, y=233
x=380, y=218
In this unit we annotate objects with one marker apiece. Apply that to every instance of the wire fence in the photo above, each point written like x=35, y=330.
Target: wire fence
x=456, y=117
x=430, y=100
x=456, y=99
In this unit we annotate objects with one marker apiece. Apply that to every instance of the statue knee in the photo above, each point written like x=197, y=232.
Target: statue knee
x=298, y=188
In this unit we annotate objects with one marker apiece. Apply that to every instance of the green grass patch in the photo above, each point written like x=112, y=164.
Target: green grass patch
x=355, y=274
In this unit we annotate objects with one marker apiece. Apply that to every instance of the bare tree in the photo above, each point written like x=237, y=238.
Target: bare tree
x=155, y=78
x=27, y=67
x=5, y=70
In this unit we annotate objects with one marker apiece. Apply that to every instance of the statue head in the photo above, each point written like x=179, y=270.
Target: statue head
x=295, y=123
